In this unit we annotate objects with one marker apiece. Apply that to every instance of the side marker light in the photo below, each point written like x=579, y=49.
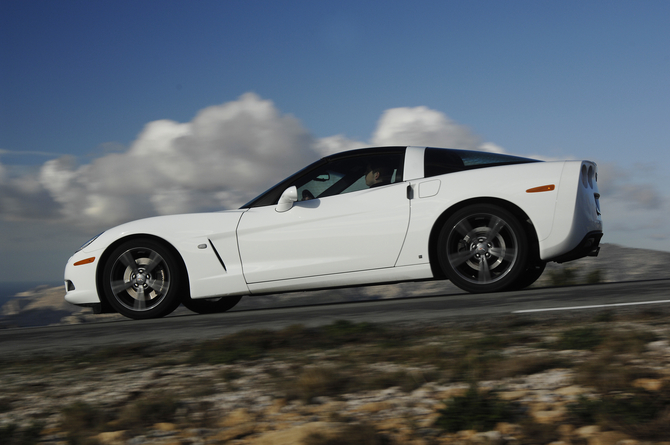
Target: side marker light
x=542, y=188
x=86, y=261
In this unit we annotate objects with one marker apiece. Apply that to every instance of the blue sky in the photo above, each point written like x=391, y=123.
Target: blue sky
x=85, y=86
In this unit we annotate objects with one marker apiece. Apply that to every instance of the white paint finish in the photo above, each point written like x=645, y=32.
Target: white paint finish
x=429, y=188
x=207, y=277
x=575, y=214
x=413, y=163
x=358, y=278
x=83, y=278
x=344, y=233
x=506, y=183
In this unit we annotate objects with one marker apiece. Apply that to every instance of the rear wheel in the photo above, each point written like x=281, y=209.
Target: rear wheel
x=211, y=305
x=141, y=279
x=530, y=275
x=483, y=248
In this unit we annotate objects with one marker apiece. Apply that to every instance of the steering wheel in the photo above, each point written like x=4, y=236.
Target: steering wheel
x=307, y=195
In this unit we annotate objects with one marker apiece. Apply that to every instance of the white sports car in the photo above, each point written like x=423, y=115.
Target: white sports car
x=488, y=222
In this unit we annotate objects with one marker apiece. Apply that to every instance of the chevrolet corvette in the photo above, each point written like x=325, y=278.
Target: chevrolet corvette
x=487, y=222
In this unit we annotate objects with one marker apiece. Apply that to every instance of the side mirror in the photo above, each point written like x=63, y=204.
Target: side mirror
x=287, y=199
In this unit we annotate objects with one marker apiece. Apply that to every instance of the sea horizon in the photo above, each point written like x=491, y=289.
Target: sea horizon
x=9, y=289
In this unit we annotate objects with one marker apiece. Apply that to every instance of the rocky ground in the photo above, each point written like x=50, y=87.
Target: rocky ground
x=600, y=379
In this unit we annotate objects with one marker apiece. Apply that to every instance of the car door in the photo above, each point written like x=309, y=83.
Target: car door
x=357, y=229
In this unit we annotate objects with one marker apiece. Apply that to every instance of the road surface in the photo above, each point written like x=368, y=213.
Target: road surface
x=555, y=301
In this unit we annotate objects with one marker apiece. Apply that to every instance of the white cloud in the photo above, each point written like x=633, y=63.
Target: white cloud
x=335, y=144
x=633, y=187
x=22, y=196
x=243, y=146
x=422, y=126
x=3, y=174
x=635, y=212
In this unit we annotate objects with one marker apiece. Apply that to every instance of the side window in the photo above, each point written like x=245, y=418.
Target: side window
x=319, y=183
x=438, y=162
x=351, y=174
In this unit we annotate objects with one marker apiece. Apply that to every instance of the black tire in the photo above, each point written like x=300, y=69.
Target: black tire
x=483, y=248
x=530, y=275
x=211, y=305
x=142, y=279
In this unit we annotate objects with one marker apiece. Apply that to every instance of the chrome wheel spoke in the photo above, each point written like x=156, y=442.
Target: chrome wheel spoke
x=459, y=258
x=127, y=260
x=507, y=254
x=495, y=226
x=120, y=285
x=463, y=228
x=154, y=260
x=140, y=303
x=158, y=285
x=484, y=275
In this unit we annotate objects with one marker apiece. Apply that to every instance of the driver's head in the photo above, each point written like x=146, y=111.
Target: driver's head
x=378, y=173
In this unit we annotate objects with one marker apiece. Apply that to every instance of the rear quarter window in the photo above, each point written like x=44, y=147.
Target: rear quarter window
x=438, y=161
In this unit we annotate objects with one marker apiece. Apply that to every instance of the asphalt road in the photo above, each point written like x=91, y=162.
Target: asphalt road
x=550, y=302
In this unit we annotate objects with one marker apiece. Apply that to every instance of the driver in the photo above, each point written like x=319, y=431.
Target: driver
x=377, y=175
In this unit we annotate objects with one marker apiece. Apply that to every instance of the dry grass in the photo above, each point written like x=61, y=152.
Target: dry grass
x=338, y=359
x=643, y=415
x=352, y=434
x=318, y=381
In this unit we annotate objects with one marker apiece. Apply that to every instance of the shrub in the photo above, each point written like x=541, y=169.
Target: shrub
x=642, y=414
x=628, y=341
x=81, y=420
x=474, y=411
x=81, y=416
x=315, y=382
x=147, y=411
x=580, y=338
x=5, y=405
x=12, y=435
x=603, y=374
x=246, y=345
x=407, y=381
x=594, y=277
x=564, y=276
x=254, y=344
x=344, y=331
x=520, y=365
x=7, y=433
x=354, y=434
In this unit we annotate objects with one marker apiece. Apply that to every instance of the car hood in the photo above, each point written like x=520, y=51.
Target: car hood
x=172, y=228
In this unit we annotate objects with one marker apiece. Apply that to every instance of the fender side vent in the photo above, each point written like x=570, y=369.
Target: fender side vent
x=217, y=254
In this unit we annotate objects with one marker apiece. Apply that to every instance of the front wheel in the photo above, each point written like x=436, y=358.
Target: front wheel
x=211, y=305
x=141, y=279
x=483, y=248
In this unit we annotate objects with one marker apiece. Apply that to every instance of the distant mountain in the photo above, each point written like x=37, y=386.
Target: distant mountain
x=44, y=305
x=616, y=263
x=40, y=306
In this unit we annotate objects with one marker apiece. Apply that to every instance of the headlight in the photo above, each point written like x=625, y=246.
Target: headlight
x=88, y=243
